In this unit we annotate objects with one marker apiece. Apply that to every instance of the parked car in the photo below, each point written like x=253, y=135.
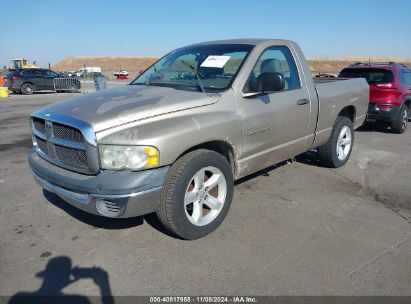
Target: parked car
x=87, y=71
x=390, y=91
x=325, y=75
x=68, y=73
x=28, y=81
x=175, y=139
x=121, y=73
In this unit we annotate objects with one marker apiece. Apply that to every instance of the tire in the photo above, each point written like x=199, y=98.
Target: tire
x=185, y=201
x=400, y=124
x=27, y=88
x=73, y=88
x=336, y=152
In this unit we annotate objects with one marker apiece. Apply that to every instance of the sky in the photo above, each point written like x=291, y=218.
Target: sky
x=49, y=30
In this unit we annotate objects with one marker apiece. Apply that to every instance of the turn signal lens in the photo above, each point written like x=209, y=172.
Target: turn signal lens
x=153, y=156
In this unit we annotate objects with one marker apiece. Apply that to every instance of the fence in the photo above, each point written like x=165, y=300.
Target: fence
x=87, y=83
x=66, y=85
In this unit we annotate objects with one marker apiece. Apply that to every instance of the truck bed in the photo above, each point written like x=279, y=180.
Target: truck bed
x=335, y=94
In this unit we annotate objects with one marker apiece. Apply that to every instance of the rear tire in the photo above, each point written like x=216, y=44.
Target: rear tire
x=27, y=88
x=337, y=150
x=197, y=194
x=400, y=124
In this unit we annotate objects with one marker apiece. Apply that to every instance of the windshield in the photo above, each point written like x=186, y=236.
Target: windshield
x=372, y=76
x=203, y=67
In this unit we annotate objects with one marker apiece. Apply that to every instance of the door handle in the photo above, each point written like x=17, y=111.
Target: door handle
x=303, y=101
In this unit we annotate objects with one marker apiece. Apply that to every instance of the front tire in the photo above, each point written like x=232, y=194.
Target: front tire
x=197, y=194
x=400, y=124
x=336, y=152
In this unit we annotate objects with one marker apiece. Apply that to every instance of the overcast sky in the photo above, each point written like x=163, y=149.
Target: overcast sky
x=49, y=30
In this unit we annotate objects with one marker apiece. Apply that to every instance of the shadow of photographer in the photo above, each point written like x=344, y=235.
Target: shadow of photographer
x=57, y=275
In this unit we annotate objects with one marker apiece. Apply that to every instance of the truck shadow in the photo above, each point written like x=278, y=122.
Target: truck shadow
x=309, y=158
x=106, y=222
x=59, y=274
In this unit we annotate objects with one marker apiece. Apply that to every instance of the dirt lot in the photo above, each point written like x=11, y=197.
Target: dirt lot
x=296, y=229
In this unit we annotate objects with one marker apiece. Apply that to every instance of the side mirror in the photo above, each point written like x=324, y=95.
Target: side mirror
x=270, y=82
x=267, y=83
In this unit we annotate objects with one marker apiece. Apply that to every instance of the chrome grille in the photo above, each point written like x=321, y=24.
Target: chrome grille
x=65, y=145
x=71, y=156
x=67, y=133
x=42, y=144
x=39, y=125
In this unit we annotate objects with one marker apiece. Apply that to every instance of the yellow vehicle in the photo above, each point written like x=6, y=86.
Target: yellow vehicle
x=21, y=63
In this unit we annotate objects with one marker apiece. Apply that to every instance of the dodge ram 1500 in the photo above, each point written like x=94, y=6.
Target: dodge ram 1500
x=202, y=116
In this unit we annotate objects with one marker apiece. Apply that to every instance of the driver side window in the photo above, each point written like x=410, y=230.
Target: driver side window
x=51, y=73
x=276, y=59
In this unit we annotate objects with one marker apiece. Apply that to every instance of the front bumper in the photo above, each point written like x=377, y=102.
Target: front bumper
x=377, y=113
x=120, y=194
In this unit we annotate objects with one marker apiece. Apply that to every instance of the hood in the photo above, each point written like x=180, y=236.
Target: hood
x=109, y=108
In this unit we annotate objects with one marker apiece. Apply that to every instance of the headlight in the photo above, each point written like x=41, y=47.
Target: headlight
x=128, y=157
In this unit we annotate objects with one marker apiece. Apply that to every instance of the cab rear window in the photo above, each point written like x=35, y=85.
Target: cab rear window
x=372, y=76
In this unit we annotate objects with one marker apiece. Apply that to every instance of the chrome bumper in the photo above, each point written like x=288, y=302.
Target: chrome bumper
x=111, y=194
x=128, y=205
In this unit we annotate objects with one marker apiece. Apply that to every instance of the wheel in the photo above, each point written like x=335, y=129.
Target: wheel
x=336, y=152
x=73, y=88
x=400, y=124
x=27, y=88
x=197, y=194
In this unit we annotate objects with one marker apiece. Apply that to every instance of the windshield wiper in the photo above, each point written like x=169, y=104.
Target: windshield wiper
x=198, y=75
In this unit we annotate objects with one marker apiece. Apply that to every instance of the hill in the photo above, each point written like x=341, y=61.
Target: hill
x=110, y=64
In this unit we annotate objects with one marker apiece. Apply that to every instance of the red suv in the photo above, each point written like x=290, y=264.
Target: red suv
x=390, y=91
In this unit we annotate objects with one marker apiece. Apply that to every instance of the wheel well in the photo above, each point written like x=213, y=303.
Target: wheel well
x=348, y=112
x=27, y=82
x=218, y=146
x=408, y=103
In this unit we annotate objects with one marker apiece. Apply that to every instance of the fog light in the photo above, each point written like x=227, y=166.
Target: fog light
x=108, y=208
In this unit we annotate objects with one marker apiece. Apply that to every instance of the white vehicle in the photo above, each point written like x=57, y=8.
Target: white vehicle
x=86, y=70
x=121, y=73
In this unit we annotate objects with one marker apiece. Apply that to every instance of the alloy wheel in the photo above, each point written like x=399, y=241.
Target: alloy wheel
x=205, y=196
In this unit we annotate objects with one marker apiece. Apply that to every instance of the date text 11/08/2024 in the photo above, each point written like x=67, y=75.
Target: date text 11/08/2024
x=204, y=299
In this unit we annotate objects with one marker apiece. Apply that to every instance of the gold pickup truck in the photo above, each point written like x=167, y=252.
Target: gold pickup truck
x=176, y=138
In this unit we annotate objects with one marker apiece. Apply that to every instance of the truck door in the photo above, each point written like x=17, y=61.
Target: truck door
x=274, y=126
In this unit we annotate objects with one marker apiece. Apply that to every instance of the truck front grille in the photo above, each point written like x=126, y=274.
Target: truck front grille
x=39, y=125
x=77, y=158
x=67, y=133
x=42, y=144
x=63, y=145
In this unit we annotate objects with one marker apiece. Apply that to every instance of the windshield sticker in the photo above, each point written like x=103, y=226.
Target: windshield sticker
x=214, y=61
